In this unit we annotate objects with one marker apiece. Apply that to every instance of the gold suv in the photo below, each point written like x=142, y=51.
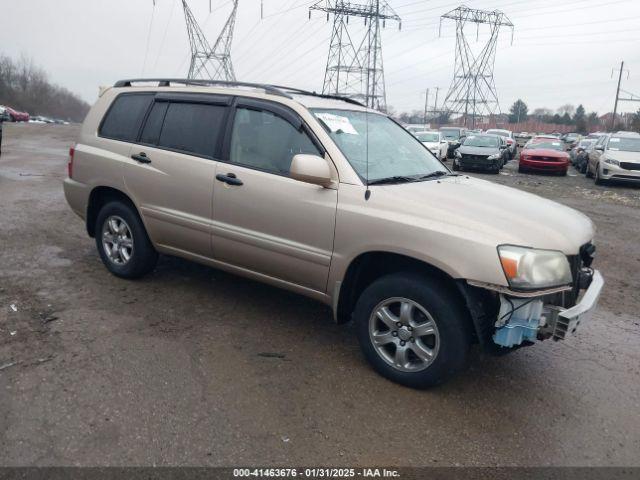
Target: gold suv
x=322, y=196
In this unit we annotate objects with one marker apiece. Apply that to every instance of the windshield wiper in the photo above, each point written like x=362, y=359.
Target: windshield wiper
x=394, y=179
x=437, y=174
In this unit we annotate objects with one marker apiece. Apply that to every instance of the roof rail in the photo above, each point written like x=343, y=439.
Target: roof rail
x=166, y=82
x=321, y=95
x=273, y=89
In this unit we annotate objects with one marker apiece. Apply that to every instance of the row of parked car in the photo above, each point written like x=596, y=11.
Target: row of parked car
x=470, y=149
x=602, y=156
x=607, y=156
x=8, y=114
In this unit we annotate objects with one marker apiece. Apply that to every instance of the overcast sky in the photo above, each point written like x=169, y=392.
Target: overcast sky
x=562, y=52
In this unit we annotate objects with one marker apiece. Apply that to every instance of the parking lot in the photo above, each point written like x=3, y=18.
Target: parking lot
x=193, y=366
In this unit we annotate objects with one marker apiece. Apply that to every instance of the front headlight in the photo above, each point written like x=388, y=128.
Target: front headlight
x=528, y=268
x=494, y=157
x=611, y=161
x=458, y=154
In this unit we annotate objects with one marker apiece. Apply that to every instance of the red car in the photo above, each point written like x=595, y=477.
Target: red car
x=544, y=155
x=17, y=116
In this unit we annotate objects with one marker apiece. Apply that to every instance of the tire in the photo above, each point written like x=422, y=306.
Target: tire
x=520, y=169
x=119, y=221
x=430, y=303
x=597, y=179
x=455, y=165
x=588, y=172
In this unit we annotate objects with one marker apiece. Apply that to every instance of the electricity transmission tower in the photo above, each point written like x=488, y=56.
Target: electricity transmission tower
x=355, y=69
x=213, y=63
x=473, y=92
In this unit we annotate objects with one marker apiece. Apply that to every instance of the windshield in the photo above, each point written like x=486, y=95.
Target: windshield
x=502, y=133
x=450, y=133
x=392, y=151
x=481, y=141
x=585, y=143
x=548, y=144
x=428, y=136
x=624, y=144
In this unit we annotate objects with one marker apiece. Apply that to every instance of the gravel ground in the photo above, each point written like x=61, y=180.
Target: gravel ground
x=192, y=366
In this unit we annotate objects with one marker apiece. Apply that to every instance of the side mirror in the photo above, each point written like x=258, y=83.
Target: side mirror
x=310, y=169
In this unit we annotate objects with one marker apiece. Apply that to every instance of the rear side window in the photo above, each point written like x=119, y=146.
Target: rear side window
x=192, y=128
x=125, y=116
x=152, y=127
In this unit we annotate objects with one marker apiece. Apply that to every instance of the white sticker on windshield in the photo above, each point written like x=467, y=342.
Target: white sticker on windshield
x=337, y=123
x=614, y=140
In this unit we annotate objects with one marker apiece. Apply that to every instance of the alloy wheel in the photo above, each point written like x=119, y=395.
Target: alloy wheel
x=404, y=334
x=117, y=240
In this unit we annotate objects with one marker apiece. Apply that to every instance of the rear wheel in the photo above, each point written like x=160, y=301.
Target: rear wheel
x=412, y=330
x=122, y=241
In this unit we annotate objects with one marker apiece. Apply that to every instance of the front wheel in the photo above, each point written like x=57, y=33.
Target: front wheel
x=598, y=179
x=455, y=165
x=412, y=330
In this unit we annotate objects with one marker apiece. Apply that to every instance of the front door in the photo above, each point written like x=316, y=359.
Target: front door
x=265, y=221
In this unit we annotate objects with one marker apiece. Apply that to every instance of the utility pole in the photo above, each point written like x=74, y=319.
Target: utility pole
x=426, y=106
x=355, y=69
x=473, y=91
x=615, y=105
x=435, y=105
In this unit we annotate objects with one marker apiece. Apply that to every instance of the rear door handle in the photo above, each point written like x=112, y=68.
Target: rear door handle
x=141, y=157
x=229, y=179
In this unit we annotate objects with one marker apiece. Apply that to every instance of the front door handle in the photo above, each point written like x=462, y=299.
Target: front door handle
x=141, y=157
x=229, y=179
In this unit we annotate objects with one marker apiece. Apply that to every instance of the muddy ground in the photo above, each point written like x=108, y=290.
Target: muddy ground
x=192, y=366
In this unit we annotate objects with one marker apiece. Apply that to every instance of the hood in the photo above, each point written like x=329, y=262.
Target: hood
x=431, y=145
x=545, y=152
x=478, y=150
x=487, y=212
x=623, y=156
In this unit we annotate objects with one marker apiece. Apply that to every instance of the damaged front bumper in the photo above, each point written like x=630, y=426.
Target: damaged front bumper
x=523, y=320
x=505, y=320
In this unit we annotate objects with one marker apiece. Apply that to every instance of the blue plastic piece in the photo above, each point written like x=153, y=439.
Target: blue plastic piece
x=516, y=331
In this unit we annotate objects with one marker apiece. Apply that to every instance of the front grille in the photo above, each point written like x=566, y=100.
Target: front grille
x=630, y=166
x=537, y=158
x=474, y=158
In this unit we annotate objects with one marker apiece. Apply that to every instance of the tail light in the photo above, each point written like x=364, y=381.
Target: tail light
x=72, y=152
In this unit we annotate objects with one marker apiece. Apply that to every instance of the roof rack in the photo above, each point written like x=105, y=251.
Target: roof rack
x=321, y=95
x=166, y=82
x=273, y=89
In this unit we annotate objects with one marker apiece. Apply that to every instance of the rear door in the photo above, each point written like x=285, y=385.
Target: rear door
x=172, y=168
x=265, y=221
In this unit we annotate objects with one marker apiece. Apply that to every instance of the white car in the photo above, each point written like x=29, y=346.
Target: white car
x=435, y=142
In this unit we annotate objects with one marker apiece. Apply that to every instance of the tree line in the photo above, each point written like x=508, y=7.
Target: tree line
x=565, y=115
x=26, y=87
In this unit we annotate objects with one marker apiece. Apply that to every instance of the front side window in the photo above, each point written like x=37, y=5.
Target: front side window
x=192, y=128
x=377, y=147
x=125, y=116
x=265, y=141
